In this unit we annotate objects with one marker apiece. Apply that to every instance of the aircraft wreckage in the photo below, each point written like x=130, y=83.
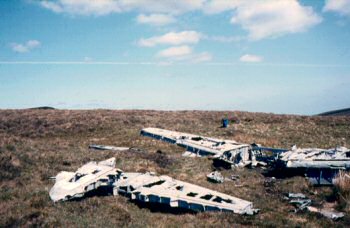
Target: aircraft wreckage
x=144, y=187
x=228, y=151
x=319, y=165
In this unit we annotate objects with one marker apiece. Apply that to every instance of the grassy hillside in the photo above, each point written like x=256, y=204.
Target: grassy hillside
x=37, y=144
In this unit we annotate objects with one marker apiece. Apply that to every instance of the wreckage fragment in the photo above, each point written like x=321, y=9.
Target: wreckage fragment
x=320, y=165
x=301, y=202
x=215, y=177
x=102, y=147
x=91, y=176
x=145, y=187
x=331, y=214
x=228, y=152
x=338, y=158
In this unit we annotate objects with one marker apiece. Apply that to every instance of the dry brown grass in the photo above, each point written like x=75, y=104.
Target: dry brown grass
x=342, y=184
x=37, y=144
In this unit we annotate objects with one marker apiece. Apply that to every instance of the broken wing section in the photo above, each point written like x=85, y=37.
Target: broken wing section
x=145, y=187
x=70, y=185
x=197, y=146
x=150, y=188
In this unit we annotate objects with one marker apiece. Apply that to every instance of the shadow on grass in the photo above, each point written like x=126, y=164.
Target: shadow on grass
x=100, y=192
x=162, y=208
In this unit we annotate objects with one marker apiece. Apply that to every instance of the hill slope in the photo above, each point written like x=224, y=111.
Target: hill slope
x=340, y=112
x=37, y=144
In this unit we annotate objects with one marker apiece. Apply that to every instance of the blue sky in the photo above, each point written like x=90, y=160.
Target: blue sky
x=281, y=56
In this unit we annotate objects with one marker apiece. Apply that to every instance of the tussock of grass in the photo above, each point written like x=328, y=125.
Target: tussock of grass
x=342, y=185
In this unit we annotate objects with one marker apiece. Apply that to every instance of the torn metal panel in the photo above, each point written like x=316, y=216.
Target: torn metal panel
x=91, y=176
x=296, y=195
x=215, y=177
x=227, y=151
x=240, y=156
x=334, y=215
x=102, y=147
x=145, y=187
x=319, y=165
x=316, y=158
x=299, y=200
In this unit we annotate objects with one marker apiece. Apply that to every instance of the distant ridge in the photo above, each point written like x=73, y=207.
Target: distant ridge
x=44, y=108
x=340, y=112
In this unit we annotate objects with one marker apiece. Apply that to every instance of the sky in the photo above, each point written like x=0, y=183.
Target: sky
x=280, y=56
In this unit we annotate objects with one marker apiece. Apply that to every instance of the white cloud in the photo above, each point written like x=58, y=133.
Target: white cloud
x=224, y=39
x=155, y=19
x=26, y=47
x=202, y=57
x=172, y=38
x=273, y=18
x=53, y=6
x=32, y=44
x=250, y=58
x=103, y=7
x=339, y=6
x=175, y=52
x=218, y=6
x=82, y=7
x=182, y=53
x=163, y=6
x=262, y=19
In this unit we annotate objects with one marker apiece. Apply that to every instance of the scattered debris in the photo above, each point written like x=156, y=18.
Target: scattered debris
x=269, y=182
x=299, y=200
x=327, y=213
x=145, y=187
x=319, y=165
x=102, y=147
x=190, y=154
x=215, y=177
x=235, y=177
x=296, y=195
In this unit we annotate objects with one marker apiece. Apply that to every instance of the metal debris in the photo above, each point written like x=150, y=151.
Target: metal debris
x=316, y=158
x=215, y=177
x=299, y=200
x=226, y=151
x=296, y=195
x=102, y=147
x=91, y=176
x=145, y=187
x=320, y=165
x=190, y=154
x=334, y=215
x=234, y=177
x=269, y=182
